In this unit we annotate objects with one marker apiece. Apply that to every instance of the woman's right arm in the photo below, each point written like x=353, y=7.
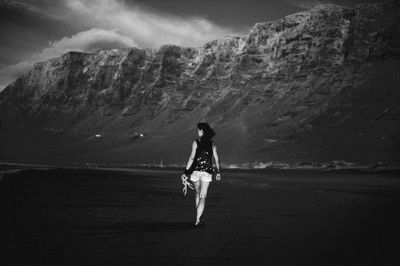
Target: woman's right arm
x=191, y=158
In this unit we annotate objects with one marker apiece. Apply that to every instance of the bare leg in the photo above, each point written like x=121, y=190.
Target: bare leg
x=197, y=190
x=202, y=200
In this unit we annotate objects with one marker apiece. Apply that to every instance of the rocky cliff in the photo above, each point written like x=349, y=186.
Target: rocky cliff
x=314, y=86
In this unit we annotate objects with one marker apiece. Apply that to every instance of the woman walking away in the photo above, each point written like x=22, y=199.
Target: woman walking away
x=199, y=166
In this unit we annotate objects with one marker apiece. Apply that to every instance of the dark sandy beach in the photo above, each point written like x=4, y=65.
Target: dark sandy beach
x=137, y=217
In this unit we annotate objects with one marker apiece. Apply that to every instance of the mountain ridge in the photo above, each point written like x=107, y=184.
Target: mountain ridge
x=268, y=92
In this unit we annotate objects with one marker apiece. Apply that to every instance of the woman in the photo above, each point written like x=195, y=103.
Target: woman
x=199, y=166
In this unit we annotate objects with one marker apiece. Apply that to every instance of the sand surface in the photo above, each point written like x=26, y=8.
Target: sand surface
x=137, y=217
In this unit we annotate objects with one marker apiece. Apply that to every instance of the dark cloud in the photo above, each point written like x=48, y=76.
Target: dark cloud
x=239, y=14
x=25, y=30
x=307, y=4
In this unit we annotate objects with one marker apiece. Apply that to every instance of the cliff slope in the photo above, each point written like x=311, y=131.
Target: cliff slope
x=318, y=85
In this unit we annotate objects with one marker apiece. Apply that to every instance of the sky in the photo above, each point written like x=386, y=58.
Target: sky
x=37, y=30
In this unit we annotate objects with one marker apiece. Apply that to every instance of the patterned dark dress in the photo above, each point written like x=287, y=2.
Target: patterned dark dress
x=203, y=157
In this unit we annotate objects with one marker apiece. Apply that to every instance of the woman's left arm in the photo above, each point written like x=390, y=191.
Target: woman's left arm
x=215, y=153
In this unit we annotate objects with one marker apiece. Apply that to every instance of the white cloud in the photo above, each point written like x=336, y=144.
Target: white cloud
x=10, y=73
x=148, y=28
x=304, y=4
x=121, y=25
x=86, y=41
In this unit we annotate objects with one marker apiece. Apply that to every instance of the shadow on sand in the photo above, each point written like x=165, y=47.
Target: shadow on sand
x=124, y=227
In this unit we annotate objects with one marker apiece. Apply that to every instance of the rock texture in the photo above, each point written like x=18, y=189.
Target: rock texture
x=314, y=86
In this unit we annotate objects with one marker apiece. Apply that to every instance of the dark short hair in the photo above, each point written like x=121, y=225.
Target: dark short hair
x=209, y=133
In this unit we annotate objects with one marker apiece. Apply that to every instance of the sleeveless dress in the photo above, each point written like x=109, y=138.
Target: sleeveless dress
x=202, y=163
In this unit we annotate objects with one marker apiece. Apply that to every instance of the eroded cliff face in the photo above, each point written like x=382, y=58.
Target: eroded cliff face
x=305, y=87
